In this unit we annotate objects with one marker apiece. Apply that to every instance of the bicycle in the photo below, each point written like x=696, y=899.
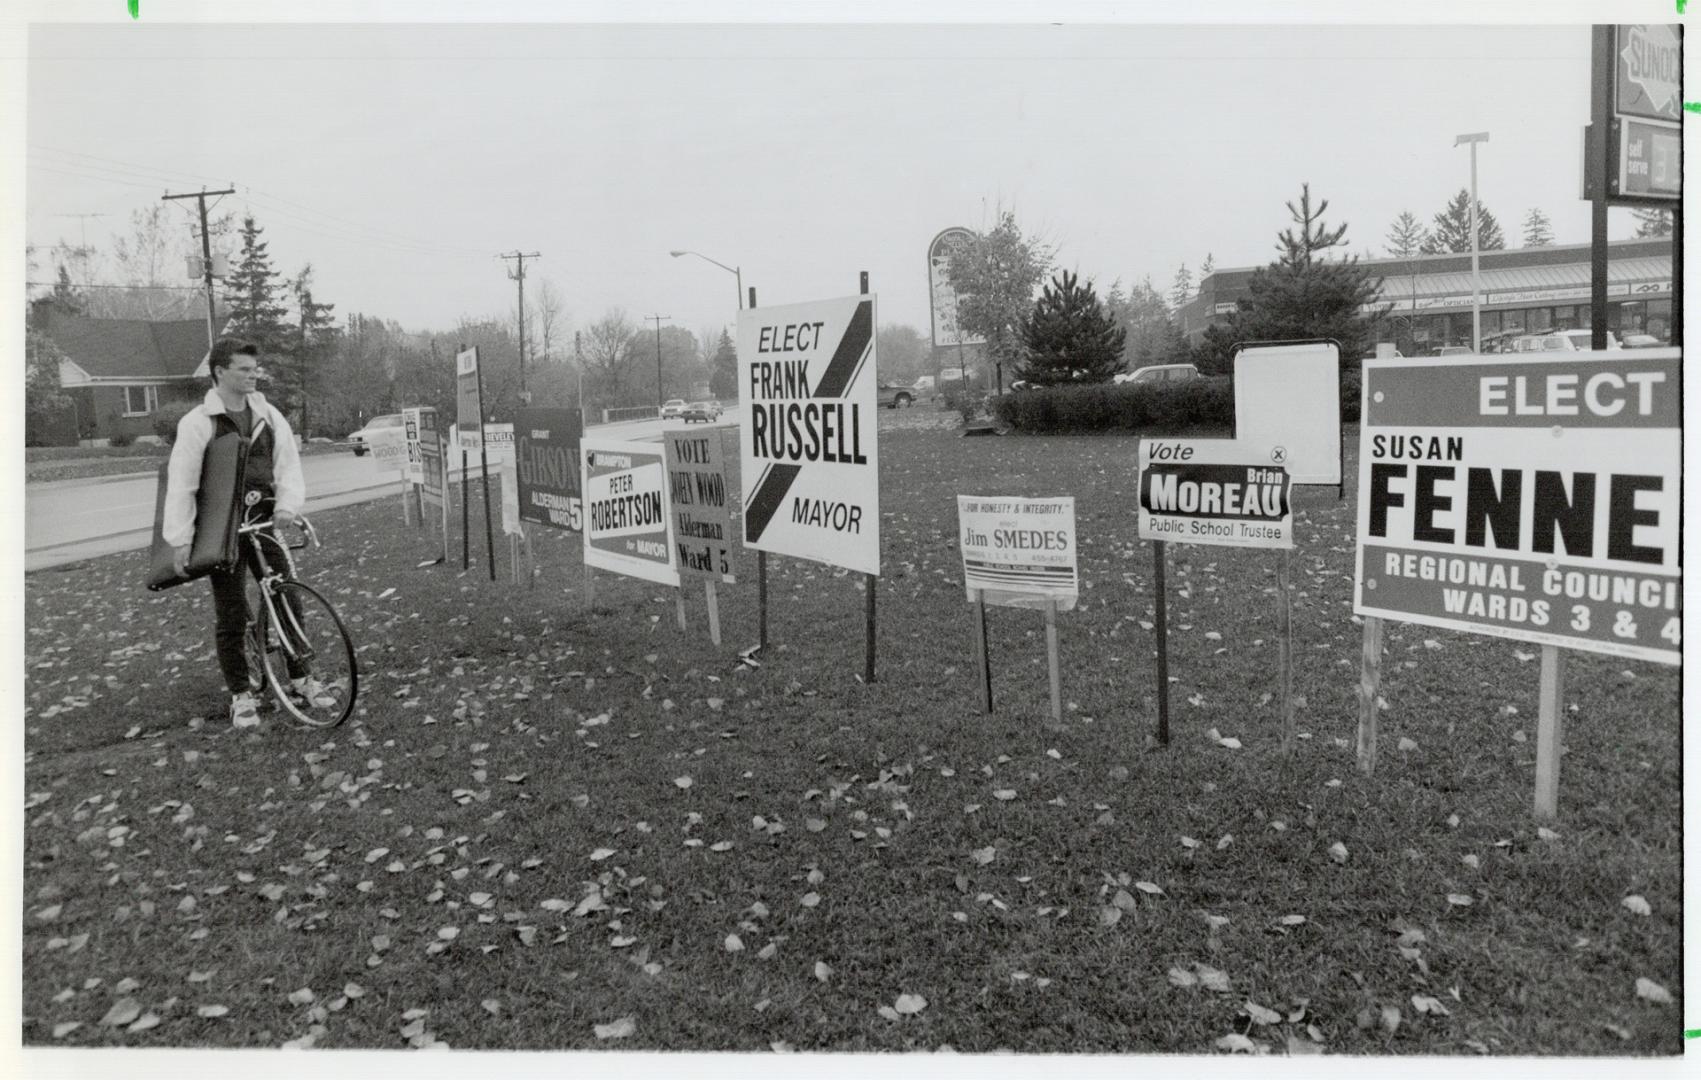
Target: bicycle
x=294, y=627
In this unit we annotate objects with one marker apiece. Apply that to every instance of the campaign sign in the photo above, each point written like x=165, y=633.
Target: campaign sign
x=626, y=510
x=469, y=407
x=389, y=449
x=499, y=442
x=1527, y=496
x=807, y=418
x=1287, y=408
x=410, y=429
x=433, y=481
x=697, y=494
x=1205, y=491
x=546, y=461
x=1019, y=552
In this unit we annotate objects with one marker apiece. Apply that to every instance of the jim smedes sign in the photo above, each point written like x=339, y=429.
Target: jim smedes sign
x=1532, y=497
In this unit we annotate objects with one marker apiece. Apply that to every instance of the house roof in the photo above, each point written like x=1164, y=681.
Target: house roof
x=114, y=350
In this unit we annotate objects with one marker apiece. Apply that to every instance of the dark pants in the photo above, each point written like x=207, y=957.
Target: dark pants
x=231, y=617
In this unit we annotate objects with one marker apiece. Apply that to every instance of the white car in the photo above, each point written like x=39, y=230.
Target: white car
x=673, y=409
x=1168, y=374
x=358, y=441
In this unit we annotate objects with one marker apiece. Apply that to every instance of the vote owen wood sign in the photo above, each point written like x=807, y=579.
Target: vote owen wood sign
x=1532, y=497
x=806, y=409
x=546, y=466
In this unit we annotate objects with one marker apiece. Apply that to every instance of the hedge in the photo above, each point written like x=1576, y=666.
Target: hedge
x=1134, y=408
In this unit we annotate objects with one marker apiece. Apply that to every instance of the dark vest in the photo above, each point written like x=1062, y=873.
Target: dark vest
x=257, y=476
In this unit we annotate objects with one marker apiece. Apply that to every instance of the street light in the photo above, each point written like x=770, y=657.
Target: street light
x=1476, y=270
x=736, y=272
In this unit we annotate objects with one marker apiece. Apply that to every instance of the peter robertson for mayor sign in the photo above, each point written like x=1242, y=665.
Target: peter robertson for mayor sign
x=1533, y=497
x=806, y=433
x=625, y=516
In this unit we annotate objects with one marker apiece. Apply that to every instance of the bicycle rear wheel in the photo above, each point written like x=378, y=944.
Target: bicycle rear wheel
x=311, y=639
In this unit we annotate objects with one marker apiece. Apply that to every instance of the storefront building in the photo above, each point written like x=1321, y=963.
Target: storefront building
x=1524, y=291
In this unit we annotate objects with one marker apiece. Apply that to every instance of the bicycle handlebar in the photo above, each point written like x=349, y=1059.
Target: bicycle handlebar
x=310, y=534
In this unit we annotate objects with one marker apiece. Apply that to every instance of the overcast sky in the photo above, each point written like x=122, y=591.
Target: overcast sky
x=399, y=160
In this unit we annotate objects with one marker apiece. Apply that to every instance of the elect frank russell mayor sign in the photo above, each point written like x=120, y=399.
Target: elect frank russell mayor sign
x=1529, y=497
x=806, y=411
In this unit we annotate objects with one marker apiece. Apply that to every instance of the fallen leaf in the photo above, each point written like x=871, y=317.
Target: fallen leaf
x=1004, y=794
x=212, y=1012
x=1149, y=888
x=1180, y=976
x=1459, y=900
x=1291, y=920
x=601, y=853
x=909, y=1004
x=1236, y=1044
x=64, y=1029
x=1261, y=1015
x=733, y=943
x=619, y=1029
x=1338, y=852
x=145, y=1022
x=1406, y=744
x=1652, y=991
x=1298, y=1047
x=1425, y=1004
x=823, y=971
x=1637, y=905
x=682, y=782
x=1212, y=979
x=1109, y=915
x=125, y=1010
x=985, y=855
x=1390, y=1019
x=491, y=1006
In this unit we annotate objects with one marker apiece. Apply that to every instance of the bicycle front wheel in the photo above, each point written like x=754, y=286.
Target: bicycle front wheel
x=310, y=662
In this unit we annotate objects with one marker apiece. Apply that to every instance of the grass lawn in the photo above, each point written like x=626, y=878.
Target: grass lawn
x=550, y=827
x=47, y=463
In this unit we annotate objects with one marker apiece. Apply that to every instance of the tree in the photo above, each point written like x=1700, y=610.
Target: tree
x=44, y=397
x=254, y=292
x=903, y=353
x=1181, y=289
x=1296, y=297
x=1207, y=268
x=361, y=367
x=1070, y=337
x=723, y=380
x=547, y=321
x=315, y=342
x=1452, y=230
x=1314, y=236
x=1152, y=335
x=1538, y=231
x=1406, y=236
x=995, y=275
x=1651, y=221
x=608, y=355
x=65, y=295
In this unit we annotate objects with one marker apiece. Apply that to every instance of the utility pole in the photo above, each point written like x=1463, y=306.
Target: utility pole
x=657, y=319
x=519, y=276
x=579, y=362
x=200, y=198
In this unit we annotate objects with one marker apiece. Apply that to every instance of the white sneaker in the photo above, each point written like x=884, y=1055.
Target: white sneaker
x=312, y=691
x=244, y=712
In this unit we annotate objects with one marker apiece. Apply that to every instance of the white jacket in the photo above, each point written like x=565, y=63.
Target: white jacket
x=194, y=432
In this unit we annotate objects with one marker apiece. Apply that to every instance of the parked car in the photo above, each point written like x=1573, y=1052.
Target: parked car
x=1584, y=340
x=1453, y=350
x=1561, y=341
x=705, y=411
x=358, y=441
x=896, y=397
x=673, y=408
x=1642, y=341
x=924, y=386
x=1167, y=374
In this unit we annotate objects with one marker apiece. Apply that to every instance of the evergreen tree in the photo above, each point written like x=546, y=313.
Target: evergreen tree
x=1538, y=231
x=1207, y=268
x=1069, y=336
x=1181, y=289
x=253, y=292
x=1652, y=222
x=65, y=294
x=314, y=345
x=1314, y=236
x=1297, y=297
x=1405, y=237
x=1452, y=230
x=1152, y=336
x=995, y=275
x=723, y=379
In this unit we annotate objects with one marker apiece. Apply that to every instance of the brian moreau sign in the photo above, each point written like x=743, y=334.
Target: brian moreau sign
x=1017, y=552
x=626, y=511
x=1205, y=491
x=807, y=418
x=1531, y=497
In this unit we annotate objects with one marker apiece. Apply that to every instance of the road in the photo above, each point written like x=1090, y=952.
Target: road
x=79, y=519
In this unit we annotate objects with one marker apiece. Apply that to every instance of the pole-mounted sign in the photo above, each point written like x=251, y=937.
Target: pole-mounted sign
x=943, y=297
x=626, y=510
x=807, y=420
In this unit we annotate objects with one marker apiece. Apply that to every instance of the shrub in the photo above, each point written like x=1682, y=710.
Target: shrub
x=1126, y=407
x=121, y=439
x=167, y=416
x=1352, y=392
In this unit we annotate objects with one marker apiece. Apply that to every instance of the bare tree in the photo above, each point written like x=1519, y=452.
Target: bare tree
x=546, y=319
x=608, y=351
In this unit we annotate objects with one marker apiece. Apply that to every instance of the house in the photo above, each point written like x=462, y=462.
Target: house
x=119, y=372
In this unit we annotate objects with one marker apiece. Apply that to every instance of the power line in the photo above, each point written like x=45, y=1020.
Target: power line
x=519, y=276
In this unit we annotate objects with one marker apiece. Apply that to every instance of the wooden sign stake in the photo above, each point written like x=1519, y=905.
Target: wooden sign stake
x=1550, y=731
x=1162, y=629
x=1369, y=688
x=679, y=604
x=1284, y=630
x=407, y=503
x=712, y=597
x=873, y=580
x=983, y=663
x=590, y=589
x=1051, y=658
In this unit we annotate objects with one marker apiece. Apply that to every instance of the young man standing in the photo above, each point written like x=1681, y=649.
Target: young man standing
x=273, y=471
